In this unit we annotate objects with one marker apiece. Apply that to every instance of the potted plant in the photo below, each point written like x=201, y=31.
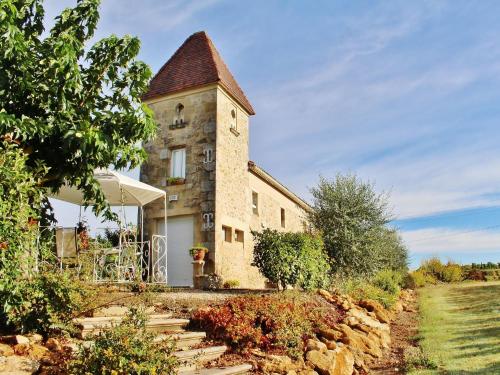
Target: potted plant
x=175, y=181
x=198, y=252
x=82, y=230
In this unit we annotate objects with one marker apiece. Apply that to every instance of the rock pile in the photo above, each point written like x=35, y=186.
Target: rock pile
x=349, y=347
x=26, y=355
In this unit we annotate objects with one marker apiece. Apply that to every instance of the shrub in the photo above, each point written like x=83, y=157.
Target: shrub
x=126, y=349
x=492, y=274
x=451, y=273
x=213, y=281
x=414, y=358
x=231, y=284
x=419, y=279
x=432, y=266
x=277, y=322
x=475, y=274
x=48, y=302
x=295, y=259
x=361, y=289
x=388, y=280
x=433, y=270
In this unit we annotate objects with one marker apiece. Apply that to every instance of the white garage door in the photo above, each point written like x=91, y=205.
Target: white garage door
x=180, y=235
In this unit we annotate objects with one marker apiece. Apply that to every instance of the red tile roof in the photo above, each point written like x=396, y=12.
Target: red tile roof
x=196, y=63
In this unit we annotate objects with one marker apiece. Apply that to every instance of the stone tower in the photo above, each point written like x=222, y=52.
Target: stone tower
x=200, y=156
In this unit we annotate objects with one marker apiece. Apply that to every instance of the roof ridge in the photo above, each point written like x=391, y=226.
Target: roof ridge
x=213, y=50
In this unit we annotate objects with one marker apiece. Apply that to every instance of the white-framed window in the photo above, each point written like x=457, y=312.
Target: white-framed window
x=178, y=163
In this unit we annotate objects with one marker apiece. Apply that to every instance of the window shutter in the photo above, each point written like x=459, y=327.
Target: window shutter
x=182, y=170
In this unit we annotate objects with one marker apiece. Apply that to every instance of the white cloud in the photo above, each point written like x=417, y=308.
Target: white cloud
x=151, y=15
x=388, y=114
x=445, y=240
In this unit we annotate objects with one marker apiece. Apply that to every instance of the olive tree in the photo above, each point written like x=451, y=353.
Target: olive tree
x=71, y=107
x=352, y=218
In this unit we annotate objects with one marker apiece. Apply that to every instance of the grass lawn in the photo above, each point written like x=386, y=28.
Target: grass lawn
x=460, y=328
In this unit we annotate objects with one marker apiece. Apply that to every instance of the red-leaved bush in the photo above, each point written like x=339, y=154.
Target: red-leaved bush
x=278, y=322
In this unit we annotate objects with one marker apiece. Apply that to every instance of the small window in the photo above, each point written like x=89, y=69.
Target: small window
x=178, y=163
x=179, y=114
x=283, y=223
x=255, y=203
x=239, y=235
x=226, y=233
x=234, y=124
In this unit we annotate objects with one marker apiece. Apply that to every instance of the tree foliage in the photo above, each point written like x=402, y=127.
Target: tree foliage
x=352, y=219
x=71, y=108
x=295, y=259
x=19, y=194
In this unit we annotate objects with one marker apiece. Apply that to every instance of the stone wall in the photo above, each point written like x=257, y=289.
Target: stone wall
x=216, y=193
x=270, y=203
x=234, y=186
x=233, y=192
x=196, y=196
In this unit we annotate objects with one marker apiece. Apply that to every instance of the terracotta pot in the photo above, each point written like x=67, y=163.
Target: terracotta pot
x=199, y=255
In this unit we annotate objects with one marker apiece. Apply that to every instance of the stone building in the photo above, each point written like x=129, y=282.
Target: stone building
x=216, y=195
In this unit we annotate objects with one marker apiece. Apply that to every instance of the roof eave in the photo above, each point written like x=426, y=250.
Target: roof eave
x=266, y=177
x=247, y=107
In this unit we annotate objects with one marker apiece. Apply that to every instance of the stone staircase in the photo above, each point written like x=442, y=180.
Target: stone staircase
x=192, y=361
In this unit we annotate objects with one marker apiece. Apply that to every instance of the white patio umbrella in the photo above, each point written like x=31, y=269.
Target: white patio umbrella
x=119, y=190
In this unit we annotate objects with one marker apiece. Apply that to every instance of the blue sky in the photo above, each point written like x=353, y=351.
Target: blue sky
x=405, y=94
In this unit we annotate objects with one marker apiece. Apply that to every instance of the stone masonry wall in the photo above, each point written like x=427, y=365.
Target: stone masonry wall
x=270, y=203
x=197, y=133
x=232, y=192
x=234, y=186
x=217, y=193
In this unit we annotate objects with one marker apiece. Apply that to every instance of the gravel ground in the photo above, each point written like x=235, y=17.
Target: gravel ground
x=182, y=303
x=403, y=330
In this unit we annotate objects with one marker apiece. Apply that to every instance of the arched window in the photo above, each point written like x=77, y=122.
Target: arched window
x=179, y=114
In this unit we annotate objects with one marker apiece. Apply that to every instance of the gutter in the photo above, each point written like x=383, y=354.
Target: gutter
x=266, y=177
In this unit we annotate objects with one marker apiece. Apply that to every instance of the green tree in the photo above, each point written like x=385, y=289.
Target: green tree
x=295, y=259
x=19, y=193
x=352, y=219
x=71, y=108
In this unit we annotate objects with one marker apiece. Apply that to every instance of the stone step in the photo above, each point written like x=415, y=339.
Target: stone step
x=183, y=340
x=156, y=323
x=115, y=319
x=117, y=310
x=194, y=359
x=231, y=370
